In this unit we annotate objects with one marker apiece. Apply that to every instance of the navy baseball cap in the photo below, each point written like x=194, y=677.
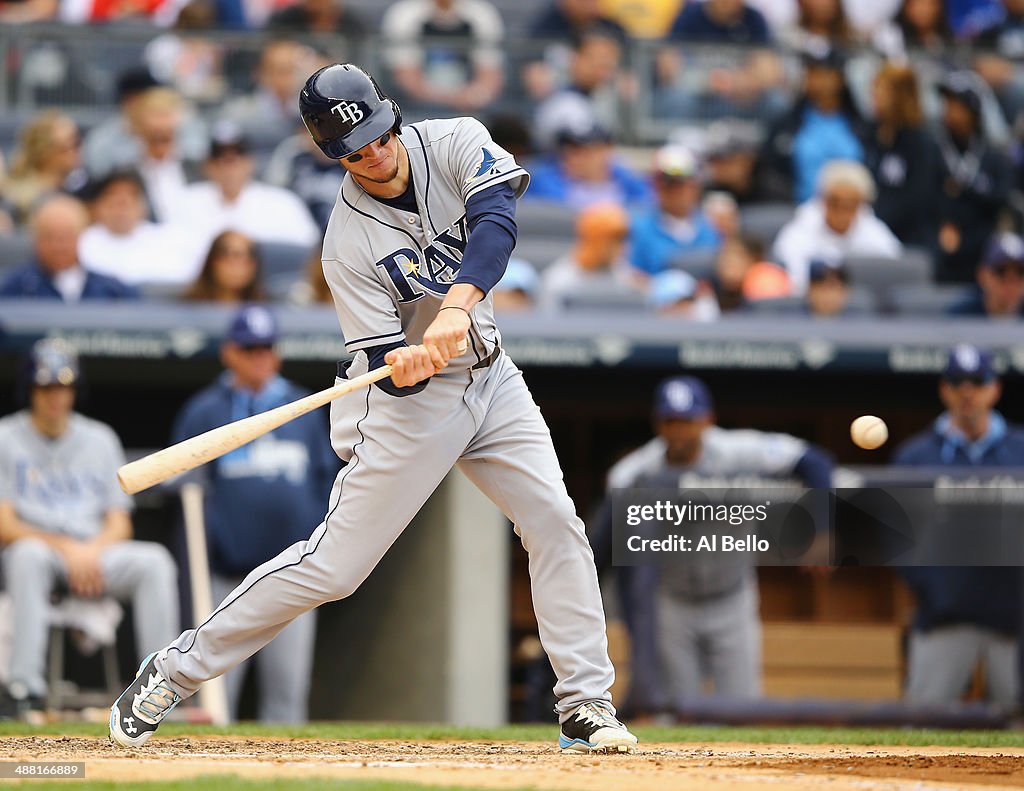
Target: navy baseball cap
x=683, y=397
x=253, y=325
x=967, y=361
x=963, y=87
x=1005, y=248
x=227, y=136
x=823, y=54
x=821, y=268
x=53, y=361
x=582, y=131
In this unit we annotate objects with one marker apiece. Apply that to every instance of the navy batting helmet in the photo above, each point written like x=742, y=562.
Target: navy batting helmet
x=344, y=109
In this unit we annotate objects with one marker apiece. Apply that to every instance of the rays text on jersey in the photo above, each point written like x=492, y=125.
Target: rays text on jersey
x=435, y=267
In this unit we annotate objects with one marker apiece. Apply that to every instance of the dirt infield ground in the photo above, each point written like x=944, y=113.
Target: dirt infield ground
x=658, y=767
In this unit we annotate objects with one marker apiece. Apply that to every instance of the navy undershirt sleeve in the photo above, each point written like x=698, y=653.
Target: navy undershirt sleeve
x=491, y=217
x=375, y=355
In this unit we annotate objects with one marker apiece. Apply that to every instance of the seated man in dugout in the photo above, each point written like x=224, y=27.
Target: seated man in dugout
x=66, y=526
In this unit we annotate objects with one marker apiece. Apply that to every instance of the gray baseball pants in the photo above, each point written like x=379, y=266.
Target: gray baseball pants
x=140, y=572
x=283, y=667
x=717, y=638
x=942, y=661
x=399, y=450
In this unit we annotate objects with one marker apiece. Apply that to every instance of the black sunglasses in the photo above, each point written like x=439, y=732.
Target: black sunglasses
x=384, y=140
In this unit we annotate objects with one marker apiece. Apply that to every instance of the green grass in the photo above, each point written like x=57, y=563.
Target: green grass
x=341, y=731
x=235, y=783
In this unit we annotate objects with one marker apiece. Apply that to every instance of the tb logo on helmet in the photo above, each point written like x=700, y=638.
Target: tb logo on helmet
x=348, y=111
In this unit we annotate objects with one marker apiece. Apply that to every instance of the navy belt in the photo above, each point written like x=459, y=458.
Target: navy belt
x=486, y=362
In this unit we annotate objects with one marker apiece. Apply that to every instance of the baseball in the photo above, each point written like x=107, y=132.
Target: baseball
x=869, y=432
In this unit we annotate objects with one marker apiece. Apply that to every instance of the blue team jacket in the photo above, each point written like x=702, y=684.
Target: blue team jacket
x=31, y=282
x=269, y=494
x=947, y=595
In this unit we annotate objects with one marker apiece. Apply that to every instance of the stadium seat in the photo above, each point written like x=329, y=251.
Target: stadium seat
x=277, y=258
x=927, y=300
x=763, y=221
x=862, y=302
x=283, y=265
x=542, y=252
x=700, y=264
x=881, y=275
x=281, y=287
x=162, y=292
x=605, y=296
x=545, y=219
x=777, y=306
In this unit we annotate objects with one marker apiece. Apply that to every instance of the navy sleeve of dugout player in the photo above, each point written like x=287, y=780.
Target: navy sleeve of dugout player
x=814, y=468
x=490, y=215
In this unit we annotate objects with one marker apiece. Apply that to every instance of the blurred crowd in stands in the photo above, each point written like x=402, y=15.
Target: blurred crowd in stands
x=806, y=157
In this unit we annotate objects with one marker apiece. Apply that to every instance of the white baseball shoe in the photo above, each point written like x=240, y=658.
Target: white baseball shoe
x=592, y=728
x=138, y=711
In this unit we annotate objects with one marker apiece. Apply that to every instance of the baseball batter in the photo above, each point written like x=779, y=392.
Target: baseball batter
x=422, y=230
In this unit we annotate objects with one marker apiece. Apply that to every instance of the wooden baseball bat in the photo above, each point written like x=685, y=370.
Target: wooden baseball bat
x=213, y=695
x=191, y=453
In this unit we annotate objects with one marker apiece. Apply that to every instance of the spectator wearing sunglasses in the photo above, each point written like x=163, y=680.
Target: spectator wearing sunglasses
x=1000, y=291
x=965, y=615
x=836, y=224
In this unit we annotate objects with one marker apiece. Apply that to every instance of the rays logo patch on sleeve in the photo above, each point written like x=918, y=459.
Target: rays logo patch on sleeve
x=487, y=165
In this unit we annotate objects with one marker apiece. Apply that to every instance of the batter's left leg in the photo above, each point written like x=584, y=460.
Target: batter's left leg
x=512, y=461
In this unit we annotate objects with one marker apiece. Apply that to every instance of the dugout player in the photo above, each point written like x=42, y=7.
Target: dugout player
x=422, y=230
x=262, y=498
x=65, y=523
x=965, y=615
x=699, y=621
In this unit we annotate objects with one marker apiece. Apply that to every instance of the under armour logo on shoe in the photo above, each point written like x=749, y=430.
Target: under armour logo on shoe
x=129, y=725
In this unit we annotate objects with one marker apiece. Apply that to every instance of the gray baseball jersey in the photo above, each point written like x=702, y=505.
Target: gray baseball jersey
x=706, y=621
x=63, y=485
x=389, y=271
x=726, y=456
x=66, y=486
x=725, y=452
